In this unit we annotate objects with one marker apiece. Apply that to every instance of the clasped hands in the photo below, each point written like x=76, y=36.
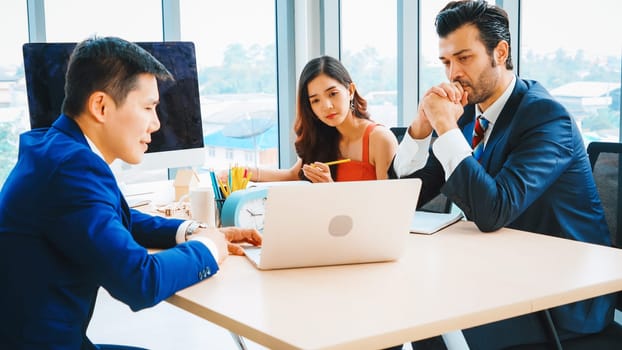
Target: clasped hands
x=439, y=110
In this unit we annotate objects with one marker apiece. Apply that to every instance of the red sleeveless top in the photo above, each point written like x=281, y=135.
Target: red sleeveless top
x=356, y=170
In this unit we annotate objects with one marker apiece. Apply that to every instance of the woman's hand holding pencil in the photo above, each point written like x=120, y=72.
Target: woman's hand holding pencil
x=319, y=171
x=339, y=161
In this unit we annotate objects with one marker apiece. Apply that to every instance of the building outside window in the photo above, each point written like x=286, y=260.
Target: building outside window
x=432, y=71
x=578, y=62
x=235, y=43
x=73, y=21
x=369, y=53
x=13, y=101
x=249, y=157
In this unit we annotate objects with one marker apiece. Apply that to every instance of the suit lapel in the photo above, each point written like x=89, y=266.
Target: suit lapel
x=504, y=120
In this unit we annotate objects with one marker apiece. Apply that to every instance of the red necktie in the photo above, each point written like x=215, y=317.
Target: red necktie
x=477, y=143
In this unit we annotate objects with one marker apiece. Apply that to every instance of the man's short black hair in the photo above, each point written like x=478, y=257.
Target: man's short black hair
x=108, y=64
x=491, y=21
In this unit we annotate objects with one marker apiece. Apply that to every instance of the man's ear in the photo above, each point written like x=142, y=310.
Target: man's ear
x=501, y=52
x=97, y=105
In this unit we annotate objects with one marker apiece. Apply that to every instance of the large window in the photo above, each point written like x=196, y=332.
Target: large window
x=13, y=102
x=369, y=53
x=578, y=60
x=431, y=72
x=70, y=20
x=235, y=42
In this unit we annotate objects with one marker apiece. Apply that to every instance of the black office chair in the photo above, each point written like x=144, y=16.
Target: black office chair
x=399, y=132
x=438, y=204
x=605, y=159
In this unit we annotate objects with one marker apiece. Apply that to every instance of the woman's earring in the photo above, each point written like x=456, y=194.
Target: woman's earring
x=352, y=105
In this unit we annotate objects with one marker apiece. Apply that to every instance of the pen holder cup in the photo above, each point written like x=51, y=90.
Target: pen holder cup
x=219, y=204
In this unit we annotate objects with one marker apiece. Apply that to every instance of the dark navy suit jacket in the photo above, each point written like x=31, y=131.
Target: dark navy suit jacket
x=66, y=230
x=534, y=176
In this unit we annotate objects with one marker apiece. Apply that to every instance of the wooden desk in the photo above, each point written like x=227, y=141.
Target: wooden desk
x=455, y=279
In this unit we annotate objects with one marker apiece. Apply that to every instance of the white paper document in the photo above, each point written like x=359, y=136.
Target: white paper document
x=428, y=223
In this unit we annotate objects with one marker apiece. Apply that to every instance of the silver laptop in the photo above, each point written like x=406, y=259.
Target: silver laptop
x=335, y=223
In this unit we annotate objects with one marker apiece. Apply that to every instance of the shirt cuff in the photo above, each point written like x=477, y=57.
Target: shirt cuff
x=412, y=154
x=450, y=149
x=180, y=237
x=211, y=246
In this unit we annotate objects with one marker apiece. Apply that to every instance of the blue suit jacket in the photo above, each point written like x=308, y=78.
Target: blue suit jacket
x=66, y=230
x=534, y=176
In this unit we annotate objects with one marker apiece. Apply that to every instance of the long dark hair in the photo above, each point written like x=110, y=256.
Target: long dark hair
x=316, y=141
x=491, y=21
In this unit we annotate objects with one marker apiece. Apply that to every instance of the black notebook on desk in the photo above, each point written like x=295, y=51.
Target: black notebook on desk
x=428, y=223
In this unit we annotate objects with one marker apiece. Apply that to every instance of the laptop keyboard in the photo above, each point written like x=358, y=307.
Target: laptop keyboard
x=253, y=253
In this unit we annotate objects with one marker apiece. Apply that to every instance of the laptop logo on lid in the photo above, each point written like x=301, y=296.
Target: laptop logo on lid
x=340, y=225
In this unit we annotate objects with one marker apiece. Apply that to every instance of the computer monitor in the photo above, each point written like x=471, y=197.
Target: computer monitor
x=178, y=143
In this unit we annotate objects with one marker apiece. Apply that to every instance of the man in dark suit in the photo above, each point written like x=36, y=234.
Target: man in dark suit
x=530, y=172
x=65, y=228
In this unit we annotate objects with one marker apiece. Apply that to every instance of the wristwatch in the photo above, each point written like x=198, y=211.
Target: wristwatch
x=191, y=229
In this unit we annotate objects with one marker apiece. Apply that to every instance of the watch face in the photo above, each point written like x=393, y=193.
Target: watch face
x=251, y=214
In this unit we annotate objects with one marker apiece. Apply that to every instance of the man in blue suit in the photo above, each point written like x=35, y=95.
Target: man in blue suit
x=65, y=228
x=533, y=173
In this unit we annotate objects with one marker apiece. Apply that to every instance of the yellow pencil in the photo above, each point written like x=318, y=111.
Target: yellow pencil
x=338, y=161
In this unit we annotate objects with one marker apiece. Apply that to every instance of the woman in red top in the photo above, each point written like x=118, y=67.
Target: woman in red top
x=332, y=123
